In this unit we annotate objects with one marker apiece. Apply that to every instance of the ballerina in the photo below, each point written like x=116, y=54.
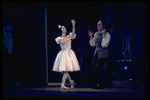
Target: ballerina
x=66, y=60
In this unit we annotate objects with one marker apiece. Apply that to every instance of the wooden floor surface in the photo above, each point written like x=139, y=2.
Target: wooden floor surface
x=82, y=91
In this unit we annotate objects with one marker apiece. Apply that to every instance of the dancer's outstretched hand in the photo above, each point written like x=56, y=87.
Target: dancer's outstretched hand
x=73, y=22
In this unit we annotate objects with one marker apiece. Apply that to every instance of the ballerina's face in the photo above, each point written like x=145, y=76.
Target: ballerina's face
x=63, y=29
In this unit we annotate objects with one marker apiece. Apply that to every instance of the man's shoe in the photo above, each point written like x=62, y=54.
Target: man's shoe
x=99, y=87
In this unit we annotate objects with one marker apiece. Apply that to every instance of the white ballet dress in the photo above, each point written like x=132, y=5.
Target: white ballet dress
x=66, y=59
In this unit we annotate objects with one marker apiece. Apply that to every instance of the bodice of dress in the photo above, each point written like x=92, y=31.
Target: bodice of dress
x=66, y=46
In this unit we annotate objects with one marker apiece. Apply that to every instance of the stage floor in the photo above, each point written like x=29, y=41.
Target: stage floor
x=80, y=91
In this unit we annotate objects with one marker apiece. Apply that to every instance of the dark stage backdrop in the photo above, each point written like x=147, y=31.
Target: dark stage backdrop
x=127, y=23
x=28, y=65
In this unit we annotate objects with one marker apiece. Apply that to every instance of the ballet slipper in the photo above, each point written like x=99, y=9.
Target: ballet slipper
x=64, y=87
x=72, y=84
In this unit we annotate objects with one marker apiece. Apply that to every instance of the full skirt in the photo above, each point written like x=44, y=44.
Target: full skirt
x=66, y=61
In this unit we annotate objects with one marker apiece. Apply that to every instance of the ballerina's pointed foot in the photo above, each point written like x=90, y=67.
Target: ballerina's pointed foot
x=64, y=87
x=72, y=84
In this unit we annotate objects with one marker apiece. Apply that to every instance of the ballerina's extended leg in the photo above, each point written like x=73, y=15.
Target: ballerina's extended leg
x=63, y=81
x=71, y=81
